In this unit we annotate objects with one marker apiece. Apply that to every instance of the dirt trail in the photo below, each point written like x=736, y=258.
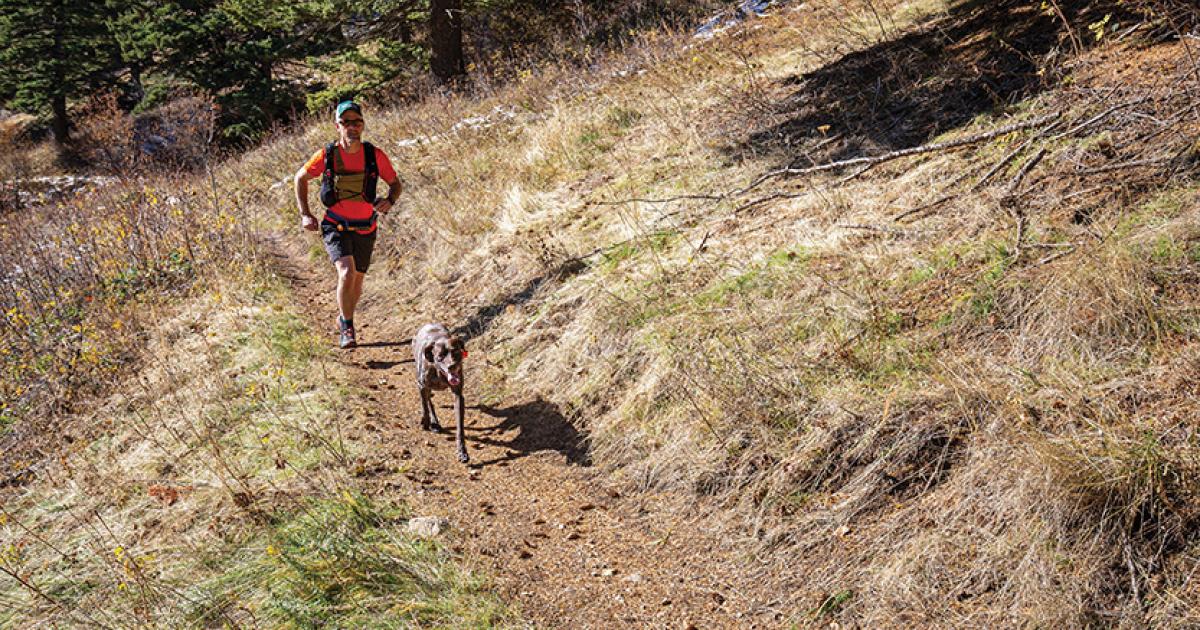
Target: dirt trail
x=529, y=509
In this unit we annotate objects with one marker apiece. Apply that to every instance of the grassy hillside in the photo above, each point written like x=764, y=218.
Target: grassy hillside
x=220, y=486
x=949, y=382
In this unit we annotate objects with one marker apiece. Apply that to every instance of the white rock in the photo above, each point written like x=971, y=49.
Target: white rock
x=427, y=526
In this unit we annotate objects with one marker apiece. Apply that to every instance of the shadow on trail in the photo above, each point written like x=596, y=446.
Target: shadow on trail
x=482, y=319
x=903, y=92
x=541, y=426
x=387, y=365
x=386, y=344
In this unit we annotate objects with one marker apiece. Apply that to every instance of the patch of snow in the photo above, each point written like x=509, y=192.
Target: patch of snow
x=474, y=123
x=727, y=19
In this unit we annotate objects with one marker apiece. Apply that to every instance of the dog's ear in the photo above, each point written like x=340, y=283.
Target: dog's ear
x=457, y=343
x=429, y=352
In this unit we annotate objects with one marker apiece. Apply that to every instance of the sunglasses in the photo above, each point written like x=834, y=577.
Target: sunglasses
x=351, y=122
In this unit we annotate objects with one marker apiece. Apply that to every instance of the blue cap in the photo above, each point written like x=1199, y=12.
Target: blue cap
x=347, y=106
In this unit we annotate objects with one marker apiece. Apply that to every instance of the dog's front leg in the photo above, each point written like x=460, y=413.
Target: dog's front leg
x=434, y=424
x=429, y=421
x=458, y=412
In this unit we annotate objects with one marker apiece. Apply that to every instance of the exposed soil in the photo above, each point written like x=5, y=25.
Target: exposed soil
x=529, y=509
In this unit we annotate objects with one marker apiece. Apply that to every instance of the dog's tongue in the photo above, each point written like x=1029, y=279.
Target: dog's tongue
x=454, y=381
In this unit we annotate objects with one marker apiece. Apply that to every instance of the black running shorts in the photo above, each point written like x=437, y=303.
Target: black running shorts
x=348, y=243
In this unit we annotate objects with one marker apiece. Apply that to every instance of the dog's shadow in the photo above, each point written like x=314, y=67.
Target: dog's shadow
x=387, y=365
x=541, y=427
x=386, y=344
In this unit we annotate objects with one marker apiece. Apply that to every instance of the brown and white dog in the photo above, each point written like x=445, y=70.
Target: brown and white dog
x=439, y=366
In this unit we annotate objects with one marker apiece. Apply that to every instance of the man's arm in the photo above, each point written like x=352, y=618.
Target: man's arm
x=307, y=220
x=384, y=205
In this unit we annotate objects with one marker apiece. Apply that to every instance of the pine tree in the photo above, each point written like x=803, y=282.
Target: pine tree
x=52, y=51
x=232, y=50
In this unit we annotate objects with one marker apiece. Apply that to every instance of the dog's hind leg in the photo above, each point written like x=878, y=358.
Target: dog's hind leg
x=458, y=412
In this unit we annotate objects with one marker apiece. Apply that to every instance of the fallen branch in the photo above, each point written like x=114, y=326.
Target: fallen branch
x=622, y=202
x=929, y=206
x=876, y=228
x=761, y=200
x=1053, y=257
x=855, y=174
x=1015, y=183
x=895, y=155
x=1008, y=200
x=1022, y=223
x=939, y=201
x=1123, y=165
x=1009, y=158
x=1098, y=117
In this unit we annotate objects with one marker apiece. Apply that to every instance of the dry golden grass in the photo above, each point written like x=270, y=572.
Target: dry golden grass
x=218, y=486
x=860, y=399
x=901, y=416
x=977, y=413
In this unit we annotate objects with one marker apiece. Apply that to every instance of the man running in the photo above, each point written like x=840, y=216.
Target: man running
x=349, y=170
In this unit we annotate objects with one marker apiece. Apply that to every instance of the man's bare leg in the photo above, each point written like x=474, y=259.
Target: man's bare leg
x=347, y=298
x=355, y=289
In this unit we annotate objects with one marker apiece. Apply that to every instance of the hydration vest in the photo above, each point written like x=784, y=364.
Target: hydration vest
x=338, y=184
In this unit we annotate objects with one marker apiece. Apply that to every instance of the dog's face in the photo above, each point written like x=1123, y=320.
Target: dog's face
x=446, y=354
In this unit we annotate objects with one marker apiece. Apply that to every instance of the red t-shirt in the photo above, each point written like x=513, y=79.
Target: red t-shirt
x=353, y=210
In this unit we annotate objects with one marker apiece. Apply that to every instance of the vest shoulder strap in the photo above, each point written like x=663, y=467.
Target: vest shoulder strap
x=369, y=165
x=330, y=156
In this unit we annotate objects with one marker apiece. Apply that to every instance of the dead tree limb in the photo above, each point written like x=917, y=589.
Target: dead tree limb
x=1098, y=117
x=621, y=202
x=1010, y=203
x=940, y=200
x=877, y=228
x=1015, y=183
x=1122, y=166
x=1010, y=157
x=1053, y=257
x=929, y=206
x=761, y=200
x=902, y=153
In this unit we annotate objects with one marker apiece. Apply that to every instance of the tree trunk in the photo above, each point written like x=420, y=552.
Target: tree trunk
x=60, y=125
x=58, y=99
x=445, y=34
x=135, y=82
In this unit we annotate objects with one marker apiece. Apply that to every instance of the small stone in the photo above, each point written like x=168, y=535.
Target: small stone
x=665, y=602
x=428, y=526
x=573, y=536
x=633, y=577
x=608, y=572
